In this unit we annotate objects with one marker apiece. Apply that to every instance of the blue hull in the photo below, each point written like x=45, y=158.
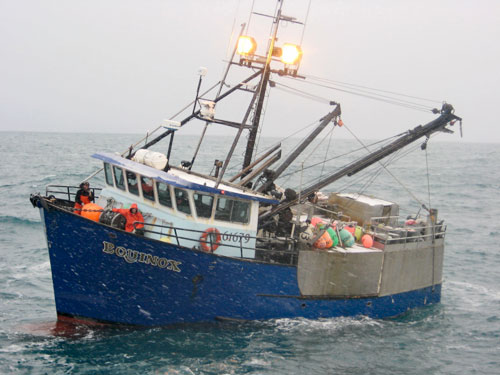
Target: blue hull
x=109, y=275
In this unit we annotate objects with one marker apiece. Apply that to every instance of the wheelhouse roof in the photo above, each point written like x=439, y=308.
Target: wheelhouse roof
x=182, y=179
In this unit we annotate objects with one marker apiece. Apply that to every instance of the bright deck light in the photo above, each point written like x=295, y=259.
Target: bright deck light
x=246, y=45
x=291, y=54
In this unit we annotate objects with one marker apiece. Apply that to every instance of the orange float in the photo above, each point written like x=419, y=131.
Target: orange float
x=91, y=211
x=350, y=229
x=315, y=220
x=367, y=240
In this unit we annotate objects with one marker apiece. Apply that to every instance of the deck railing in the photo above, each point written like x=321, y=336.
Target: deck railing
x=69, y=192
x=287, y=245
x=390, y=230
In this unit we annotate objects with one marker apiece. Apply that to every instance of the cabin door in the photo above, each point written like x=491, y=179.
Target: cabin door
x=166, y=231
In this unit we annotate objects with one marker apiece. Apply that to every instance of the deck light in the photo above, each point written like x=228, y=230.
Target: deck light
x=207, y=109
x=202, y=71
x=246, y=45
x=291, y=54
x=171, y=125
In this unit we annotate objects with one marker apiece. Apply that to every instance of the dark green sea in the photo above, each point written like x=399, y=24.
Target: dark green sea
x=461, y=335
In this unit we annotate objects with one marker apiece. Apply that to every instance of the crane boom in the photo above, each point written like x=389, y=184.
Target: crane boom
x=438, y=124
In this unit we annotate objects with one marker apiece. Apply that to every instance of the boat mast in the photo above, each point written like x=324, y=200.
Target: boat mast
x=252, y=136
x=222, y=83
x=197, y=113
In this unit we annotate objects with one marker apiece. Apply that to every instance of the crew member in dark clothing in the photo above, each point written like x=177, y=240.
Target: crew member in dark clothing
x=131, y=215
x=83, y=196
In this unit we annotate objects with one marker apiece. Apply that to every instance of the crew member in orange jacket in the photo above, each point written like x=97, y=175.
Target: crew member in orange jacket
x=83, y=196
x=131, y=215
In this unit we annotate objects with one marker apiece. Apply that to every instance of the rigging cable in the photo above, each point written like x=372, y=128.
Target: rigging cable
x=372, y=88
x=228, y=51
x=237, y=167
x=363, y=176
x=317, y=146
x=326, y=153
x=339, y=156
x=390, y=173
x=308, y=156
x=222, y=83
x=276, y=143
x=302, y=93
x=251, y=136
x=250, y=16
x=305, y=23
x=432, y=217
x=263, y=119
x=403, y=103
x=155, y=130
x=351, y=182
x=428, y=179
x=379, y=97
x=374, y=175
x=288, y=136
x=403, y=155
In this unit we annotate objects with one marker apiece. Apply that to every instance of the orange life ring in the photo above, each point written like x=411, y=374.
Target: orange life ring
x=209, y=246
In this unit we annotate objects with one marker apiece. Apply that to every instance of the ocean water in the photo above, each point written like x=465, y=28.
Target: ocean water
x=461, y=335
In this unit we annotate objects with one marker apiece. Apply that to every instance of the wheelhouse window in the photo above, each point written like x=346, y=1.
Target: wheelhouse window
x=232, y=210
x=164, y=194
x=148, y=191
x=182, y=201
x=203, y=204
x=108, y=174
x=120, y=183
x=132, y=183
x=223, y=210
x=241, y=212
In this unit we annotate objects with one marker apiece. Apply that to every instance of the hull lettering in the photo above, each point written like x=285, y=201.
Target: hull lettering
x=134, y=256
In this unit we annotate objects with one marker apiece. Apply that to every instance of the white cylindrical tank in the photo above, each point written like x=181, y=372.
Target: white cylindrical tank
x=151, y=158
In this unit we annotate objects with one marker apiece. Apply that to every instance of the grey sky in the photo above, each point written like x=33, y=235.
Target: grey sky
x=125, y=65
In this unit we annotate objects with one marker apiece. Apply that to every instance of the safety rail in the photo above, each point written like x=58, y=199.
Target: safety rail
x=386, y=220
x=337, y=214
x=401, y=232
x=289, y=244
x=70, y=191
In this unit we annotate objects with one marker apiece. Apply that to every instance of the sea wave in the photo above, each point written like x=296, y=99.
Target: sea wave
x=18, y=221
x=460, y=335
x=476, y=291
x=14, y=348
x=330, y=324
x=21, y=271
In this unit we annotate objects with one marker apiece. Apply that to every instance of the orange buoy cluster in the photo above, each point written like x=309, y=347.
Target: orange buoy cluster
x=349, y=234
x=92, y=211
x=328, y=239
x=324, y=242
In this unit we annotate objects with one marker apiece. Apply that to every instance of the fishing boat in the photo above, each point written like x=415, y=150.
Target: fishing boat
x=240, y=247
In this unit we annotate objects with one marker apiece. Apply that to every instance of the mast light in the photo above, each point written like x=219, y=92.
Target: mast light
x=246, y=45
x=291, y=54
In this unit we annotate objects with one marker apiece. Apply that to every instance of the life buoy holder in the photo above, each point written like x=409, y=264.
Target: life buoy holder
x=210, y=246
